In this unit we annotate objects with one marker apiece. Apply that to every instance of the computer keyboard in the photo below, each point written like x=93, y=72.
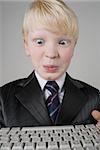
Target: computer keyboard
x=78, y=137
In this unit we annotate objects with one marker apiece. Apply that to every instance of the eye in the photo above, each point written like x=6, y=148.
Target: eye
x=39, y=42
x=65, y=42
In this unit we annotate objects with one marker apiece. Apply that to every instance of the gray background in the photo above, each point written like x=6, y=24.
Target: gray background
x=85, y=64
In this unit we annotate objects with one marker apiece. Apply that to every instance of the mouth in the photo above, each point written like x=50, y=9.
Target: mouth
x=50, y=68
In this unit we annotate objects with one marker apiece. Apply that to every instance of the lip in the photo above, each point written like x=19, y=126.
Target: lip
x=50, y=68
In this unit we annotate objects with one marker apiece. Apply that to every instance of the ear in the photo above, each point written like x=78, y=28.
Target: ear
x=26, y=48
x=75, y=45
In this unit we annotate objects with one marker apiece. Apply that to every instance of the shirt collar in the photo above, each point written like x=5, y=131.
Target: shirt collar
x=42, y=81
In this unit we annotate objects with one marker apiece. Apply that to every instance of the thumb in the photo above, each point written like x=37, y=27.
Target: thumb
x=96, y=115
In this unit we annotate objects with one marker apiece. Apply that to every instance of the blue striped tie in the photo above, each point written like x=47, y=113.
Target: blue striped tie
x=53, y=103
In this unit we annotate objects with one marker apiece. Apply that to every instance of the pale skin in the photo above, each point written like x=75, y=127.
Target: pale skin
x=51, y=54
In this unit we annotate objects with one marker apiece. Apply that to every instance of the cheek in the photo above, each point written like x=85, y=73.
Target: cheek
x=67, y=55
x=36, y=55
x=33, y=52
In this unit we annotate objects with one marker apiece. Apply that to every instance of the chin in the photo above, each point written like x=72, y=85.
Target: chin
x=51, y=76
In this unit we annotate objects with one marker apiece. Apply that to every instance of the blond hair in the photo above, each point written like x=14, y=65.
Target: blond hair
x=55, y=15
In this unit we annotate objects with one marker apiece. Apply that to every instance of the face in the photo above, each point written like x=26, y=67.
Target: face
x=50, y=52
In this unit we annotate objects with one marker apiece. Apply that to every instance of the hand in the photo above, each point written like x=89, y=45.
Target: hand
x=96, y=116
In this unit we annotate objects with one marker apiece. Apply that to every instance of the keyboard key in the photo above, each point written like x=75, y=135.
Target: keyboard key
x=64, y=144
x=75, y=144
x=91, y=148
x=17, y=146
x=46, y=139
x=96, y=142
x=78, y=148
x=29, y=146
x=6, y=146
x=40, y=145
x=14, y=138
x=87, y=143
x=36, y=139
x=4, y=139
x=52, y=145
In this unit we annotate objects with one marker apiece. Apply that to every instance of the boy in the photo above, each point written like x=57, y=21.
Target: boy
x=49, y=96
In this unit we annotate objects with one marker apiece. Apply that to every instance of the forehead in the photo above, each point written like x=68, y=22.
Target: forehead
x=51, y=26
x=43, y=32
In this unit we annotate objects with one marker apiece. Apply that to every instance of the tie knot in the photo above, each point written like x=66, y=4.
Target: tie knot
x=52, y=86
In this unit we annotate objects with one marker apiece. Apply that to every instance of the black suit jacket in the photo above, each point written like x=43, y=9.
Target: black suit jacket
x=22, y=103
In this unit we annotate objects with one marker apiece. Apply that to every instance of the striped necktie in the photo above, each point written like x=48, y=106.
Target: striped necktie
x=52, y=102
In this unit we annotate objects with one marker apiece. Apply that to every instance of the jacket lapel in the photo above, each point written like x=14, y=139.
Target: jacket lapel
x=73, y=102
x=31, y=96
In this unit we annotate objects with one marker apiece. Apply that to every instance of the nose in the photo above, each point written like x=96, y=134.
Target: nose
x=51, y=51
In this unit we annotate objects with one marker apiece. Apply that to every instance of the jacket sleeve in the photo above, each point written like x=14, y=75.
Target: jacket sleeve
x=98, y=107
x=4, y=91
x=2, y=122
